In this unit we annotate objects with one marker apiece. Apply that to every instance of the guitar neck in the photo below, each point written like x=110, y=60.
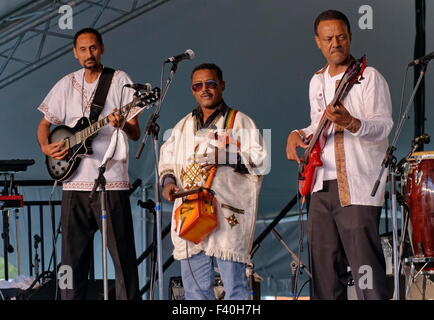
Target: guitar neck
x=96, y=126
x=322, y=124
x=341, y=90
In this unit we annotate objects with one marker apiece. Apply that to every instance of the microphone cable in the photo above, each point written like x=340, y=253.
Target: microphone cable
x=192, y=274
x=402, y=92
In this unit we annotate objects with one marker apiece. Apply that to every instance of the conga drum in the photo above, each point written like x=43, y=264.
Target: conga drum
x=418, y=189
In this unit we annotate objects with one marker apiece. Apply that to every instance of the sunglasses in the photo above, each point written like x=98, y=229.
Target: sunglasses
x=208, y=84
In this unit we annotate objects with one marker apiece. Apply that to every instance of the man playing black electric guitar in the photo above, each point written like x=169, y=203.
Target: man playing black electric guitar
x=72, y=98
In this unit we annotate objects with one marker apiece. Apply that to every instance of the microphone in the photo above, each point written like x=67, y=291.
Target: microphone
x=139, y=86
x=422, y=60
x=188, y=54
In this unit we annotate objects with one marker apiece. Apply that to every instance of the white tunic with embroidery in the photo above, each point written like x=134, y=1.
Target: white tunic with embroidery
x=236, y=193
x=64, y=105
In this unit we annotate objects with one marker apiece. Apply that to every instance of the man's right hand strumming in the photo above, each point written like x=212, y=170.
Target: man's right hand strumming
x=294, y=141
x=168, y=190
x=55, y=150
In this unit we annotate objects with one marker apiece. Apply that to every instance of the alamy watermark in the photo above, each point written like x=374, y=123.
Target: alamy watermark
x=66, y=18
x=65, y=276
x=366, y=280
x=366, y=21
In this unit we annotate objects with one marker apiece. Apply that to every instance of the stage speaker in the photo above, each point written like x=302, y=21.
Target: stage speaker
x=176, y=289
x=47, y=291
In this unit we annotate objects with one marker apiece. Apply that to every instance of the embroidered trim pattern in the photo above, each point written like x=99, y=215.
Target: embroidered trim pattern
x=341, y=168
x=86, y=186
x=232, y=220
x=76, y=84
x=236, y=210
x=354, y=125
x=50, y=117
x=194, y=175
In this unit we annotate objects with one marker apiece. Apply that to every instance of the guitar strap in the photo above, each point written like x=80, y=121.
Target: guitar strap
x=101, y=92
x=230, y=118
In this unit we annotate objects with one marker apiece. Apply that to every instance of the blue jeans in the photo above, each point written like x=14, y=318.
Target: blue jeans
x=233, y=275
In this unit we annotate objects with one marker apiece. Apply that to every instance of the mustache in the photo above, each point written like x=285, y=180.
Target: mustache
x=90, y=59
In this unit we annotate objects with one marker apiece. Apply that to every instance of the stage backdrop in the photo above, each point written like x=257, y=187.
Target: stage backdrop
x=268, y=55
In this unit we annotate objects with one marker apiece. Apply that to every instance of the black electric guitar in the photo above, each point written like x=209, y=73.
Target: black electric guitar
x=78, y=139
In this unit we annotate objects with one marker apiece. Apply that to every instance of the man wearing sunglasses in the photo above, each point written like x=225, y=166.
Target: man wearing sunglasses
x=213, y=133
x=343, y=218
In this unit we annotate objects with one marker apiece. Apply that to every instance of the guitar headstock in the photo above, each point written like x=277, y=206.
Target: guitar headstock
x=146, y=98
x=354, y=73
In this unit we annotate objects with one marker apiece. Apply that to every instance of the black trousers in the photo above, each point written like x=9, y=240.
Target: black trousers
x=341, y=237
x=81, y=218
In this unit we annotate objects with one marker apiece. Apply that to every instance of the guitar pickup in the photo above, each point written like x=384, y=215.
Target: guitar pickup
x=66, y=143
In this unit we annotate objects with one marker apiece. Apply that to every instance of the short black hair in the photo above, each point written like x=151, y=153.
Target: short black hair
x=88, y=30
x=331, y=15
x=209, y=66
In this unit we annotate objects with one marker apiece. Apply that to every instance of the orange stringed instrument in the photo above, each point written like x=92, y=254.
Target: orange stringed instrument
x=196, y=217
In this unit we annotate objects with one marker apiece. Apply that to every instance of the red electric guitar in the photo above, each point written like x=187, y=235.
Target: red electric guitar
x=312, y=156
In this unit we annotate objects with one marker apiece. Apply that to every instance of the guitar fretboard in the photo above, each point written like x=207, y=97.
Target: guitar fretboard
x=98, y=125
x=341, y=91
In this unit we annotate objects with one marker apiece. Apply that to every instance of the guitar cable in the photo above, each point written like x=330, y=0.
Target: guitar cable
x=300, y=204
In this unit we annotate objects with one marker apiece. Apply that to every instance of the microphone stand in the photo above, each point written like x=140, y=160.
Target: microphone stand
x=390, y=161
x=17, y=239
x=295, y=264
x=153, y=129
x=101, y=181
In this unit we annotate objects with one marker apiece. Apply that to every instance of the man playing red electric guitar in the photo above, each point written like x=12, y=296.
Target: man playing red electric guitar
x=343, y=218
